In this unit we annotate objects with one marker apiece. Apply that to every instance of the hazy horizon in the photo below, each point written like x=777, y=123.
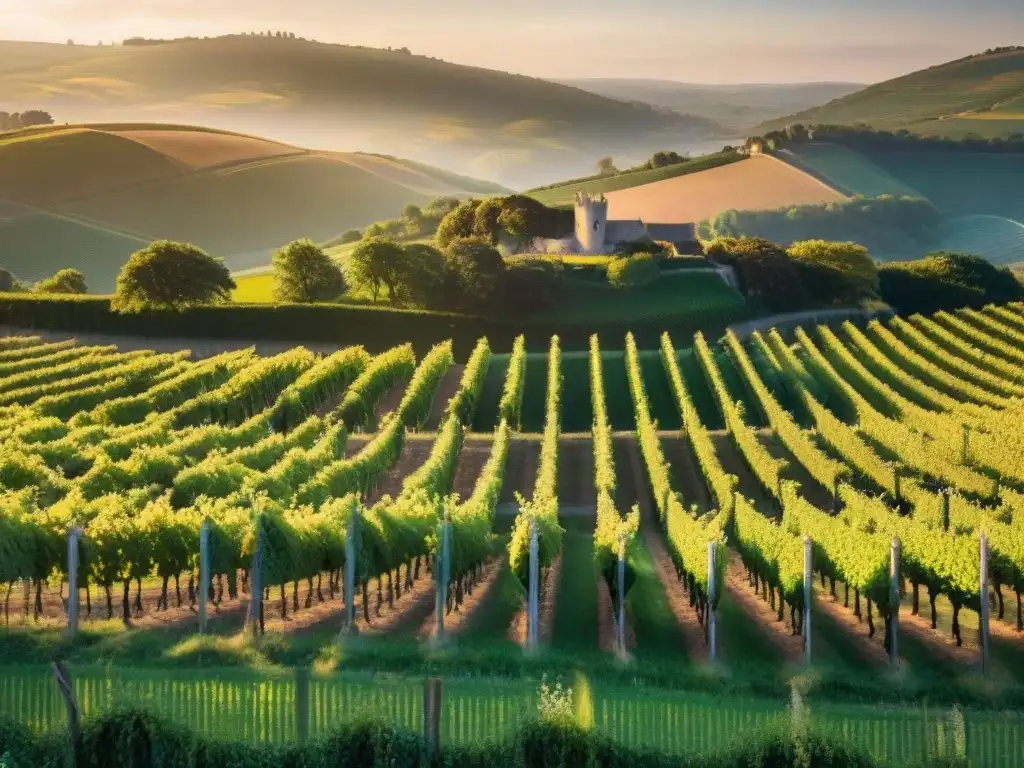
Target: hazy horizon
x=794, y=41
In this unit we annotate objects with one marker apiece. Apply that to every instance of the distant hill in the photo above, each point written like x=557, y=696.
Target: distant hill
x=981, y=94
x=518, y=130
x=735, y=108
x=88, y=196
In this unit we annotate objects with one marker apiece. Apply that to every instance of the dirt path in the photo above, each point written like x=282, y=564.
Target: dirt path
x=576, y=472
x=415, y=451
x=629, y=467
x=388, y=403
x=520, y=469
x=686, y=472
x=476, y=451
x=810, y=489
x=445, y=391
x=776, y=632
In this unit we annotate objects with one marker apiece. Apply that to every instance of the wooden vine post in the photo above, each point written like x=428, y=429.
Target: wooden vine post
x=620, y=629
x=351, y=550
x=442, y=575
x=74, y=538
x=712, y=586
x=432, y=693
x=533, y=602
x=63, y=678
x=204, y=573
x=983, y=595
x=895, y=554
x=256, y=587
x=808, y=596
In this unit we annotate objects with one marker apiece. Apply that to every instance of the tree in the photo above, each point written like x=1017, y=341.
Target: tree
x=633, y=271
x=375, y=264
x=664, y=158
x=303, y=274
x=530, y=285
x=440, y=206
x=420, y=277
x=171, y=276
x=351, y=236
x=606, y=165
x=457, y=223
x=35, y=117
x=513, y=223
x=475, y=268
x=412, y=212
x=946, y=281
x=485, y=220
x=765, y=271
x=841, y=273
x=64, y=281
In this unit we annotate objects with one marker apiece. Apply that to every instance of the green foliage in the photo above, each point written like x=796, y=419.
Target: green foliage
x=886, y=225
x=765, y=272
x=633, y=271
x=303, y=273
x=510, y=407
x=171, y=276
x=380, y=374
x=64, y=281
x=374, y=264
x=840, y=273
x=330, y=376
x=665, y=158
x=946, y=281
x=475, y=268
x=351, y=236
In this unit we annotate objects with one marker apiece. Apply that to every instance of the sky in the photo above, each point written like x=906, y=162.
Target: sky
x=698, y=41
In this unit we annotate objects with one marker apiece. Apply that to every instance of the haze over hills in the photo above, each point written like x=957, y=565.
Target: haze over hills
x=89, y=196
x=981, y=94
x=735, y=107
x=516, y=130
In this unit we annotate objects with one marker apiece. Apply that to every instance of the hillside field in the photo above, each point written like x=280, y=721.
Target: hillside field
x=346, y=439
x=980, y=93
x=999, y=240
x=845, y=169
x=755, y=183
x=239, y=197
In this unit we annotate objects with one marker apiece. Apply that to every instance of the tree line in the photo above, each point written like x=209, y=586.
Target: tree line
x=861, y=136
x=12, y=121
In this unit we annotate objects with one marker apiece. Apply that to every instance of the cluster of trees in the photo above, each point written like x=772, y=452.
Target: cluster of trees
x=885, y=224
x=808, y=274
x=514, y=220
x=945, y=280
x=413, y=222
x=817, y=273
x=606, y=165
x=861, y=136
x=12, y=121
x=64, y=281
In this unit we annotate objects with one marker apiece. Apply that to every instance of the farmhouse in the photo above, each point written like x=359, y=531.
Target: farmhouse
x=594, y=233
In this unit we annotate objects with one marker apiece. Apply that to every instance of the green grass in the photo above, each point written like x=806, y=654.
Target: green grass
x=658, y=636
x=575, y=627
x=577, y=406
x=847, y=170
x=555, y=196
x=486, y=417
x=618, y=398
x=535, y=392
x=696, y=384
x=662, y=399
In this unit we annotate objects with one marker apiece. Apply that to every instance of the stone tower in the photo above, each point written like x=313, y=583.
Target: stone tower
x=591, y=219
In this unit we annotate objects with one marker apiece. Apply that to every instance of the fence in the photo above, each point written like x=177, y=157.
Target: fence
x=243, y=705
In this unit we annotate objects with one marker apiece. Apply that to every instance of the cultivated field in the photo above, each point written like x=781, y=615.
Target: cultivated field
x=847, y=170
x=908, y=429
x=757, y=183
x=999, y=240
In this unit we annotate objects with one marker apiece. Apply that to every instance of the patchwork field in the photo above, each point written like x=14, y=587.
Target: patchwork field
x=756, y=183
x=846, y=170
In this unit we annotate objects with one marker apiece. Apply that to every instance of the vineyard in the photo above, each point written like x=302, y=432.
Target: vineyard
x=851, y=496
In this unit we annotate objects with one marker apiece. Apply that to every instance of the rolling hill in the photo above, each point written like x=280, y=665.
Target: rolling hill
x=982, y=94
x=88, y=196
x=518, y=130
x=847, y=170
x=735, y=108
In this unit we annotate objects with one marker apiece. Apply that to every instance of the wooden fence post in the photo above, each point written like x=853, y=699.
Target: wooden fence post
x=620, y=629
x=302, y=704
x=63, y=677
x=256, y=587
x=808, y=596
x=432, y=693
x=712, y=593
x=74, y=536
x=895, y=579
x=533, y=607
x=204, y=573
x=442, y=574
x=351, y=550
x=983, y=594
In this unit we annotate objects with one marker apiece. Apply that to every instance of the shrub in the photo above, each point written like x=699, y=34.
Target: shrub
x=942, y=281
x=530, y=286
x=633, y=271
x=766, y=274
x=351, y=236
x=457, y=223
x=474, y=269
x=64, y=281
x=303, y=273
x=171, y=276
x=838, y=273
x=374, y=264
